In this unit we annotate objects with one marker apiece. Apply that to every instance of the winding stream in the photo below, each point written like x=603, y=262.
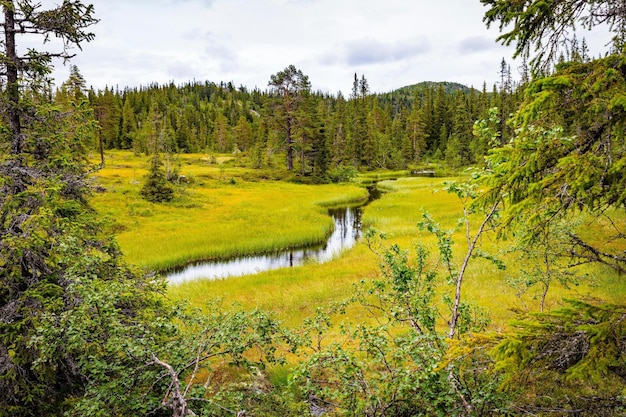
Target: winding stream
x=345, y=235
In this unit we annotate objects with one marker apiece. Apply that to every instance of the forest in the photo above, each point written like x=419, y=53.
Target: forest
x=492, y=286
x=397, y=130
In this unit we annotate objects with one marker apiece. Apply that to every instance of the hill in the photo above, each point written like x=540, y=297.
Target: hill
x=404, y=96
x=448, y=87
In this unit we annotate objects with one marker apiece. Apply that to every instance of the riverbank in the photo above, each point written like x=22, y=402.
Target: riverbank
x=295, y=293
x=217, y=214
x=222, y=213
x=345, y=234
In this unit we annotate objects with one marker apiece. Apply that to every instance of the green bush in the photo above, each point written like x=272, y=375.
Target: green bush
x=157, y=189
x=342, y=173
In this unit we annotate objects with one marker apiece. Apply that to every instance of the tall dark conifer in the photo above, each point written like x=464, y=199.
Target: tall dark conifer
x=290, y=87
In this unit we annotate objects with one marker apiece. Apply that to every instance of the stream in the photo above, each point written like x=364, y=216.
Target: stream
x=346, y=232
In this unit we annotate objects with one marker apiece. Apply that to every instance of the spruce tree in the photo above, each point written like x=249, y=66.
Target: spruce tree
x=128, y=126
x=78, y=327
x=290, y=87
x=156, y=188
x=458, y=148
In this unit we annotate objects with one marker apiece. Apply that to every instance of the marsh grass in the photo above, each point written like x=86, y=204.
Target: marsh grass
x=215, y=218
x=295, y=293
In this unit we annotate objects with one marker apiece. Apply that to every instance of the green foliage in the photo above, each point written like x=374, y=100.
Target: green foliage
x=157, y=188
x=70, y=308
x=291, y=87
x=342, y=173
x=82, y=333
x=368, y=131
x=542, y=263
x=383, y=377
x=42, y=213
x=80, y=330
x=568, y=154
x=215, y=364
x=571, y=360
x=543, y=27
x=486, y=135
x=402, y=364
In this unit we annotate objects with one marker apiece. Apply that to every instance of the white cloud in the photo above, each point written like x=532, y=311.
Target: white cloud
x=372, y=51
x=476, y=44
x=393, y=43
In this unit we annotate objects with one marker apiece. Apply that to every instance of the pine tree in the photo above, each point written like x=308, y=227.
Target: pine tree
x=320, y=141
x=75, y=86
x=290, y=87
x=243, y=133
x=156, y=188
x=573, y=356
x=154, y=133
x=458, y=148
x=108, y=113
x=128, y=126
x=416, y=133
x=51, y=247
x=357, y=135
x=221, y=134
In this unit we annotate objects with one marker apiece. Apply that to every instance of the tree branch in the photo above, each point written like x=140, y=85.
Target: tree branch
x=177, y=401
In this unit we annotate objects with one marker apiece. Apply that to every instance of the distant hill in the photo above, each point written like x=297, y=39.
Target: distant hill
x=448, y=87
x=405, y=95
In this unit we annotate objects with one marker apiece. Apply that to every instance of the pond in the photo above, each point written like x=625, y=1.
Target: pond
x=346, y=232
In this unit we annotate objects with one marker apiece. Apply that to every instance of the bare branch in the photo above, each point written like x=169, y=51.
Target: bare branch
x=177, y=401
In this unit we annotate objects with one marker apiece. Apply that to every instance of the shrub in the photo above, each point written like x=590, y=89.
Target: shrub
x=157, y=189
x=342, y=173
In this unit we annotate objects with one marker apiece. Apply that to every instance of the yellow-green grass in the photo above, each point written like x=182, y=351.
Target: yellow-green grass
x=291, y=293
x=214, y=218
x=295, y=293
x=217, y=217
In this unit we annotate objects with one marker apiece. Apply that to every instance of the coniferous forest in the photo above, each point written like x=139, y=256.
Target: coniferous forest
x=407, y=127
x=492, y=287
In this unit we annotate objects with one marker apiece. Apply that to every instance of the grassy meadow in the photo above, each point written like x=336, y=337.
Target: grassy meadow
x=216, y=215
x=226, y=211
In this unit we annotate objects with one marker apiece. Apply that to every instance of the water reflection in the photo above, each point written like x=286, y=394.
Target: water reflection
x=345, y=235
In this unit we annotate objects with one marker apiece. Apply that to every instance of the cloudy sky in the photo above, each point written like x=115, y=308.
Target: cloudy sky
x=392, y=42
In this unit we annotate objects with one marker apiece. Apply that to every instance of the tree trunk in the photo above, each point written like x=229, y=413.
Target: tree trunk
x=289, y=146
x=13, y=92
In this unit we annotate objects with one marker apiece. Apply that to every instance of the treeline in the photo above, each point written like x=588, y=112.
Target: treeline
x=397, y=130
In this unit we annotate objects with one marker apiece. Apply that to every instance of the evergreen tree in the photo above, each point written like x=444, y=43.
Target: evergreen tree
x=304, y=131
x=221, y=134
x=338, y=133
x=545, y=27
x=320, y=141
x=290, y=87
x=108, y=113
x=573, y=358
x=458, y=148
x=416, y=129
x=75, y=86
x=440, y=118
x=376, y=146
x=51, y=247
x=243, y=133
x=568, y=151
x=184, y=138
x=156, y=188
x=505, y=104
x=358, y=129
x=128, y=126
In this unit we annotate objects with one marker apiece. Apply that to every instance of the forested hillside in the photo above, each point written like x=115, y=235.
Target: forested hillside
x=410, y=126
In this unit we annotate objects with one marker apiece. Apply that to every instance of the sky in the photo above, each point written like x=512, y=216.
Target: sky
x=393, y=43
